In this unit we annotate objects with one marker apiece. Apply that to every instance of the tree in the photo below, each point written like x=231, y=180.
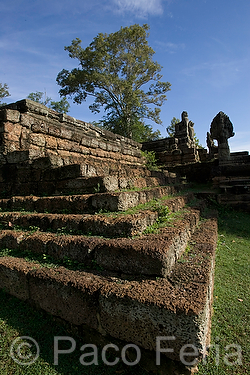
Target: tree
x=171, y=128
x=3, y=92
x=62, y=106
x=38, y=97
x=113, y=70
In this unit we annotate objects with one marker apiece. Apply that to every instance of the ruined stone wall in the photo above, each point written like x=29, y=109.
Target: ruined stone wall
x=170, y=152
x=41, y=132
x=44, y=152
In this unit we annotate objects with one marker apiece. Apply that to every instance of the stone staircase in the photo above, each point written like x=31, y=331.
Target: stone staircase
x=137, y=275
x=233, y=181
x=91, y=236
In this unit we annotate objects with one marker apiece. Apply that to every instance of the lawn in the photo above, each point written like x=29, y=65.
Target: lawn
x=230, y=351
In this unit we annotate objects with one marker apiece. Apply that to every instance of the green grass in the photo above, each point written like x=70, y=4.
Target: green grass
x=230, y=325
x=231, y=318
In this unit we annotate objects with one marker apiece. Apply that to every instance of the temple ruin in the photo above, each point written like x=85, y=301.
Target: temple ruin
x=92, y=200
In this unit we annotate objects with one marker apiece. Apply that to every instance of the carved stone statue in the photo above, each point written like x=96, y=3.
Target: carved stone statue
x=184, y=131
x=191, y=131
x=221, y=129
x=211, y=146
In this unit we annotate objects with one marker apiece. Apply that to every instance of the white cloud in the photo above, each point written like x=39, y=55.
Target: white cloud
x=140, y=8
x=170, y=47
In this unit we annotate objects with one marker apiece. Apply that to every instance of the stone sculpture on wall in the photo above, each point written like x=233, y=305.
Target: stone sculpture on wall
x=184, y=131
x=221, y=129
x=211, y=146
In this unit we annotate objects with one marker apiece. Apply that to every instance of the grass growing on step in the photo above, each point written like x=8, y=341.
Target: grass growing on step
x=165, y=219
x=46, y=260
x=152, y=205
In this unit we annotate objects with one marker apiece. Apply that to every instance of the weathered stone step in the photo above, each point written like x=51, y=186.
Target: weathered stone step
x=137, y=312
x=83, y=185
x=231, y=180
x=122, y=201
x=41, y=178
x=99, y=225
x=119, y=201
x=223, y=198
x=80, y=185
x=236, y=201
x=235, y=181
x=151, y=254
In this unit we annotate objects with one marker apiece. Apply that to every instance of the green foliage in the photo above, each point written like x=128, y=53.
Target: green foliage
x=62, y=106
x=197, y=142
x=140, y=131
x=3, y=92
x=38, y=97
x=151, y=162
x=231, y=306
x=113, y=69
x=144, y=133
x=171, y=128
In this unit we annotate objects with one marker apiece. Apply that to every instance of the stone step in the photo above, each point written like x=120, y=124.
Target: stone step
x=82, y=185
x=232, y=181
x=236, y=201
x=98, y=225
x=138, y=311
x=152, y=254
x=233, y=171
x=41, y=177
x=233, y=198
x=101, y=225
x=119, y=201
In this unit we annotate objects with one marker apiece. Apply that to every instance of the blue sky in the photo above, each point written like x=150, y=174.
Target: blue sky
x=202, y=45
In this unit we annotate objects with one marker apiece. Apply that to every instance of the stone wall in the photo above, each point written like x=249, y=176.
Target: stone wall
x=41, y=132
x=169, y=155
x=44, y=152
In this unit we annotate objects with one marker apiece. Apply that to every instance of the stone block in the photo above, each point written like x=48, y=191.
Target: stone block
x=94, y=143
x=65, y=156
x=58, y=293
x=26, y=120
x=13, y=276
x=51, y=142
x=64, y=145
x=85, y=141
x=54, y=130
x=66, y=133
x=41, y=163
x=37, y=139
x=9, y=115
x=39, y=126
x=76, y=136
x=24, y=139
x=103, y=145
x=55, y=159
x=16, y=157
